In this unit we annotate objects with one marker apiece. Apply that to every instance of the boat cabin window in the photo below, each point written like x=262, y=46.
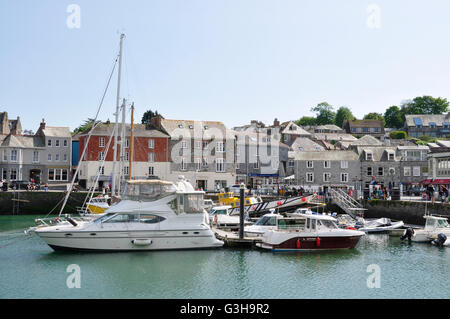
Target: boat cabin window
x=321, y=224
x=193, y=203
x=122, y=218
x=267, y=221
x=150, y=219
x=442, y=223
x=104, y=217
x=147, y=192
x=291, y=224
x=311, y=224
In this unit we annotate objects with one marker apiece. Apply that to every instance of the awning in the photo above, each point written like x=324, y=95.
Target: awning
x=441, y=181
x=290, y=177
x=425, y=182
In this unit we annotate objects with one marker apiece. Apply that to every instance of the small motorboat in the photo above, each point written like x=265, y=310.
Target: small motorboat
x=436, y=231
x=263, y=224
x=377, y=225
x=226, y=217
x=309, y=232
x=98, y=205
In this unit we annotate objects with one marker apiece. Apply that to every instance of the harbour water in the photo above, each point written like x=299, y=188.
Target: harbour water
x=30, y=269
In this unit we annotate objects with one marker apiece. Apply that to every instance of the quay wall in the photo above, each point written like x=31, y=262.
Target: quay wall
x=410, y=212
x=38, y=202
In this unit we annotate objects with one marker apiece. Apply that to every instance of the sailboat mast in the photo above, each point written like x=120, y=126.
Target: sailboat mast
x=131, y=142
x=122, y=147
x=113, y=186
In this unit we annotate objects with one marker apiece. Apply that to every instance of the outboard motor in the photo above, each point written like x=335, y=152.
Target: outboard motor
x=409, y=233
x=440, y=240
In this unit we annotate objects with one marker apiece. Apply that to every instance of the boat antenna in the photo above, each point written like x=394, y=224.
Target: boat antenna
x=131, y=141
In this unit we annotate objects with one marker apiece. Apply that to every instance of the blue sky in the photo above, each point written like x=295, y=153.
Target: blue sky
x=228, y=60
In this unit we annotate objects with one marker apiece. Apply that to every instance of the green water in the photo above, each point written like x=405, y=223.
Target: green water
x=30, y=269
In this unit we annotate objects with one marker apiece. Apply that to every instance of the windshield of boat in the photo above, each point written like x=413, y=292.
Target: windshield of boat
x=147, y=192
x=267, y=221
x=218, y=211
x=326, y=224
x=442, y=223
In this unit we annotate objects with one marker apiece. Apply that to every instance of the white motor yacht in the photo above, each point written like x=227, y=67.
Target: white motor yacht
x=434, y=226
x=263, y=224
x=152, y=215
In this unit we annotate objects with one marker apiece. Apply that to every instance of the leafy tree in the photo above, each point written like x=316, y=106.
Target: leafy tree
x=342, y=114
x=398, y=135
x=424, y=105
x=393, y=117
x=325, y=113
x=86, y=126
x=306, y=120
x=148, y=115
x=374, y=116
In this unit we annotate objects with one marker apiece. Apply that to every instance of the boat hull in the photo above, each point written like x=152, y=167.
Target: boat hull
x=311, y=244
x=126, y=241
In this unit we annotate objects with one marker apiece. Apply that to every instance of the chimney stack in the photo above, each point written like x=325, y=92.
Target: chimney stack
x=156, y=121
x=276, y=123
x=42, y=125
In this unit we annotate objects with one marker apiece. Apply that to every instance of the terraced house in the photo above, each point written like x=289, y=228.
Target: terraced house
x=434, y=125
x=201, y=151
x=150, y=156
x=43, y=157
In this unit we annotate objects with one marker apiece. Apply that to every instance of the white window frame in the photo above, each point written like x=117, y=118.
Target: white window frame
x=369, y=154
x=220, y=165
x=382, y=171
x=14, y=158
x=101, y=156
x=344, y=180
x=151, y=157
x=310, y=174
x=326, y=164
x=326, y=180
x=151, y=171
x=101, y=142
x=65, y=143
x=291, y=163
x=57, y=143
x=183, y=164
x=308, y=164
x=35, y=156
x=407, y=171
x=56, y=157
x=371, y=171
x=344, y=164
x=415, y=170
x=198, y=163
x=220, y=147
x=49, y=157
x=151, y=143
x=49, y=143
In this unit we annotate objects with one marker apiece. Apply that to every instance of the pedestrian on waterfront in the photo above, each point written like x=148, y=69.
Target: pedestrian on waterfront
x=1, y=184
x=46, y=187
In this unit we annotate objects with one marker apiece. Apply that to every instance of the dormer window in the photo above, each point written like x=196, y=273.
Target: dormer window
x=205, y=127
x=369, y=156
x=191, y=126
x=391, y=156
x=180, y=125
x=432, y=124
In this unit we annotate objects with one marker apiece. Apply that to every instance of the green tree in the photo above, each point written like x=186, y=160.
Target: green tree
x=306, y=120
x=148, y=115
x=325, y=113
x=342, y=114
x=393, y=117
x=374, y=116
x=424, y=105
x=398, y=135
x=86, y=126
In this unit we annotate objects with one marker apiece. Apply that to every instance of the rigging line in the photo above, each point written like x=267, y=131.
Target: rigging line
x=89, y=136
x=101, y=165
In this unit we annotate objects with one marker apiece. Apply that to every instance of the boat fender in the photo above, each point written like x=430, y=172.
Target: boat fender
x=318, y=241
x=298, y=243
x=409, y=233
x=141, y=242
x=350, y=228
x=440, y=240
x=70, y=220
